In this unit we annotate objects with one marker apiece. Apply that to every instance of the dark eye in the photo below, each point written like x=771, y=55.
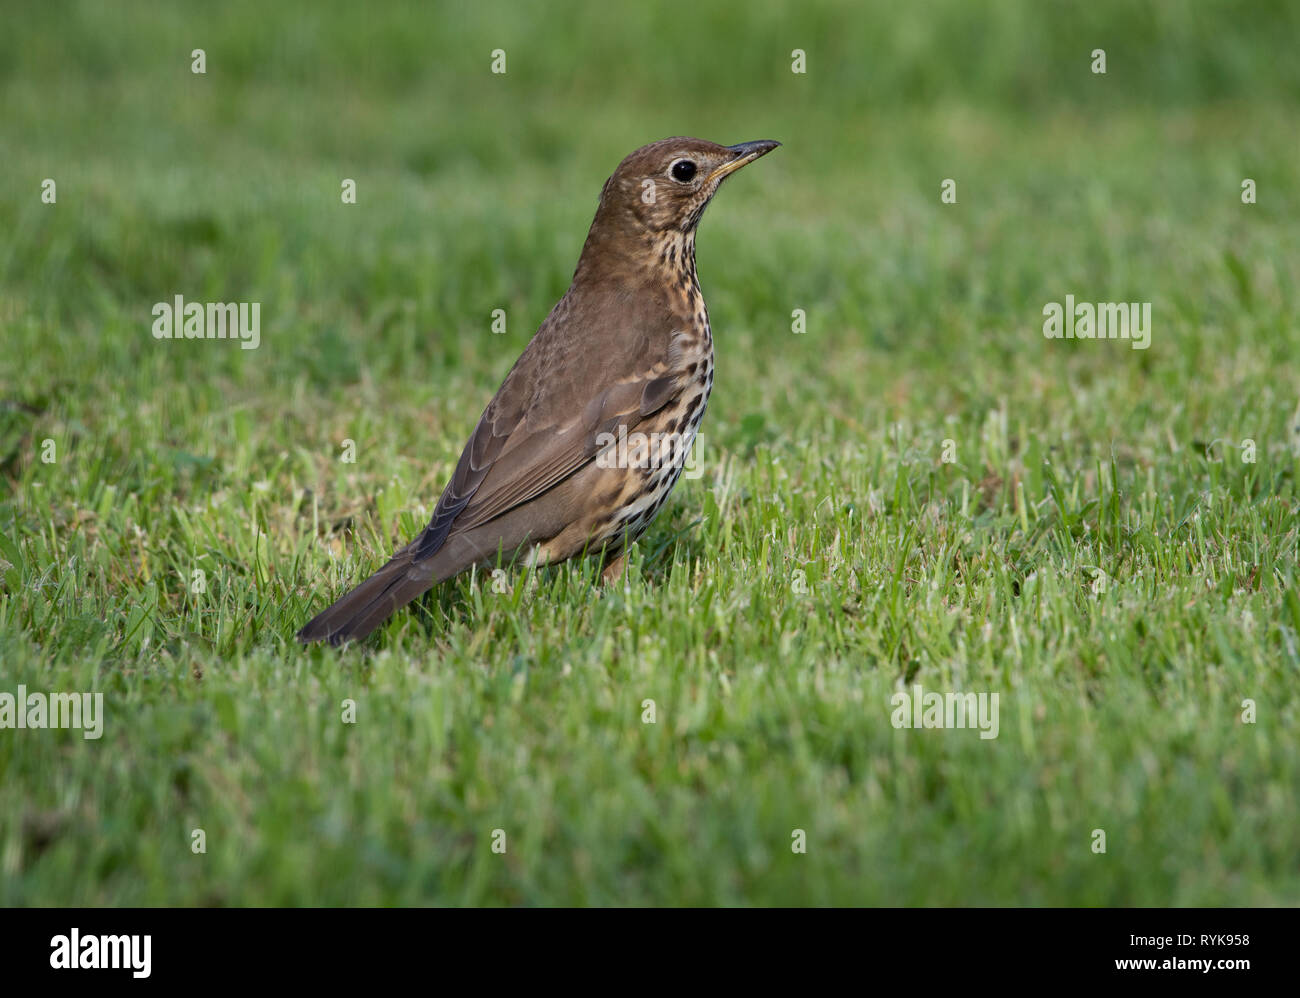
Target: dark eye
x=683, y=170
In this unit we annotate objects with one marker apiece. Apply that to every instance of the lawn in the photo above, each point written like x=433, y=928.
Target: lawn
x=918, y=489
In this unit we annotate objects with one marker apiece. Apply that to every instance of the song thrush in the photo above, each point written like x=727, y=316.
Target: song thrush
x=588, y=433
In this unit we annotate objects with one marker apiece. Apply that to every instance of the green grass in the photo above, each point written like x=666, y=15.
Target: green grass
x=1121, y=705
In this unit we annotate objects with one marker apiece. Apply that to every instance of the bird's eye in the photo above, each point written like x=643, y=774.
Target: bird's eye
x=683, y=170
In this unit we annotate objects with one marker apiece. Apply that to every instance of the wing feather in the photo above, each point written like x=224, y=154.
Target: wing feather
x=530, y=438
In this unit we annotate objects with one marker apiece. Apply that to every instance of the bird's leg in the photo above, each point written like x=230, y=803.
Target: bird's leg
x=613, y=570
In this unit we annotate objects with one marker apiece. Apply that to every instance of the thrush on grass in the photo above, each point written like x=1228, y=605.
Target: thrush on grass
x=589, y=431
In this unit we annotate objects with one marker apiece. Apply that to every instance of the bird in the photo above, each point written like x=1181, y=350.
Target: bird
x=588, y=433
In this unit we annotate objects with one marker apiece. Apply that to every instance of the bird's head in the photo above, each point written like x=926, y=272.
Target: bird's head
x=665, y=186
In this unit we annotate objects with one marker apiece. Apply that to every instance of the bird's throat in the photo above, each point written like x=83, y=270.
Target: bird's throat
x=630, y=254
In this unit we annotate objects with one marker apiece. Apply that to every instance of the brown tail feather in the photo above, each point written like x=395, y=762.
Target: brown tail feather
x=354, y=616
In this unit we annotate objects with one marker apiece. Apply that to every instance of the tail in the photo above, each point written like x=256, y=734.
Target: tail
x=355, y=615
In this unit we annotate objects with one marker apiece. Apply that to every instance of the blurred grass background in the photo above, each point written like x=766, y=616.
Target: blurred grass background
x=821, y=453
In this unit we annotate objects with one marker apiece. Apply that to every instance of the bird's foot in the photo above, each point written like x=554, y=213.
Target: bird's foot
x=613, y=570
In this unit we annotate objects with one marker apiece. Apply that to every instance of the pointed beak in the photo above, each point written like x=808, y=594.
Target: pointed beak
x=745, y=152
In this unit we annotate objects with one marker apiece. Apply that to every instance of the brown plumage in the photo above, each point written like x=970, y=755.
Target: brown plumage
x=627, y=351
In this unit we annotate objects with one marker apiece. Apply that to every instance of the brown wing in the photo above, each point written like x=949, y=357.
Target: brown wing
x=547, y=418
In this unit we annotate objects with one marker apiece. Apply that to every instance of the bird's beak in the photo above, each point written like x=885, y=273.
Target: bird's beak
x=741, y=154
